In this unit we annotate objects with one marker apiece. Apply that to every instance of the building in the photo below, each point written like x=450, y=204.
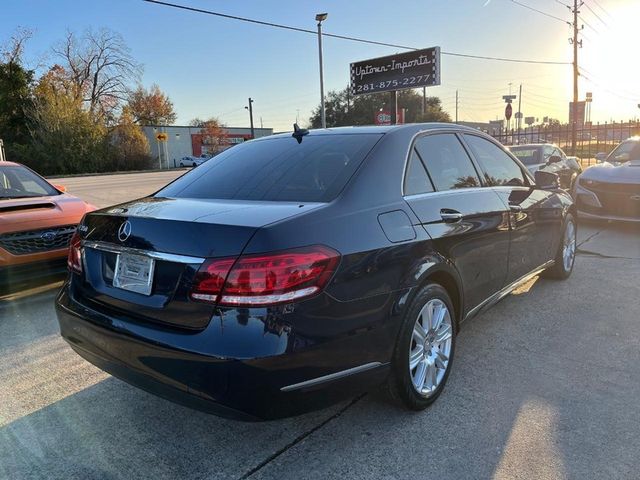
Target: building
x=184, y=141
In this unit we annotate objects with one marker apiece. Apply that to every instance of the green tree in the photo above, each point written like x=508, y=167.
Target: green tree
x=65, y=137
x=342, y=108
x=129, y=147
x=16, y=84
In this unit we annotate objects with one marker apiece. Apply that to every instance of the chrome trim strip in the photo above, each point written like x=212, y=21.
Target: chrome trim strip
x=166, y=257
x=331, y=377
x=500, y=294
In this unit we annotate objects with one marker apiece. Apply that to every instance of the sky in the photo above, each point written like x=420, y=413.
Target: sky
x=209, y=66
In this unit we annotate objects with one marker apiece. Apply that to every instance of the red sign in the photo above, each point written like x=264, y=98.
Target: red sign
x=384, y=117
x=508, y=111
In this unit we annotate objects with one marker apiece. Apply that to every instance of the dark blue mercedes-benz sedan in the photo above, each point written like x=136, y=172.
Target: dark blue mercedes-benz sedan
x=296, y=270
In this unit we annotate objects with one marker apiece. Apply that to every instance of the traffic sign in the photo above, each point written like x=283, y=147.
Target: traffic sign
x=508, y=111
x=162, y=137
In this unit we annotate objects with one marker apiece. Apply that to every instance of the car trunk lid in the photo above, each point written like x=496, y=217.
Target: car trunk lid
x=171, y=237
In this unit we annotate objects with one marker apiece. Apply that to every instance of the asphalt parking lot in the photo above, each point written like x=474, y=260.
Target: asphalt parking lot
x=546, y=385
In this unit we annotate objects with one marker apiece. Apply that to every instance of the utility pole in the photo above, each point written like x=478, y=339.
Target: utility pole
x=576, y=43
x=424, y=100
x=456, y=106
x=250, y=108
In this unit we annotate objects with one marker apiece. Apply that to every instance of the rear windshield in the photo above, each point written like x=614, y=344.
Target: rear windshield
x=279, y=169
x=528, y=156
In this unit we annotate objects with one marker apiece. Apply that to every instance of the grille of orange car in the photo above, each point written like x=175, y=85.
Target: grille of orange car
x=35, y=241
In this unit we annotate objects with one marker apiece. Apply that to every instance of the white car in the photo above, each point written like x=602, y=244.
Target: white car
x=193, y=161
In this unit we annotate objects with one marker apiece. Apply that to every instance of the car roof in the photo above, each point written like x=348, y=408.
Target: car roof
x=379, y=129
x=10, y=164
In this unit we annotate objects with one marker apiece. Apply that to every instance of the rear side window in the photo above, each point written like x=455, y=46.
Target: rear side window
x=416, y=180
x=499, y=167
x=447, y=162
x=277, y=169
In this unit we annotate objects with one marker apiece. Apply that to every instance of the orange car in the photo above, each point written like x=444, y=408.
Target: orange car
x=37, y=221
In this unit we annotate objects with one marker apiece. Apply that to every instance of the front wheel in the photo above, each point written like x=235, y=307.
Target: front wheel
x=424, y=349
x=566, y=255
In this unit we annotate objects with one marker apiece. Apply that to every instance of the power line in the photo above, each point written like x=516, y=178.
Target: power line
x=595, y=13
x=604, y=10
x=541, y=12
x=344, y=37
x=587, y=24
x=624, y=97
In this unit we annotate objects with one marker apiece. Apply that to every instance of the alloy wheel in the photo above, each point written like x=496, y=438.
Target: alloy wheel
x=430, y=349
x=569, y=245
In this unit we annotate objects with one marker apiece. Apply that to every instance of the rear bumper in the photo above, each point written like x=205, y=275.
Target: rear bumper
x=279, y=380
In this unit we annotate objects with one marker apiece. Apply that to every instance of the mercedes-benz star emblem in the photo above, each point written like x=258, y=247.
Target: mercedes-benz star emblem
x=124, y=231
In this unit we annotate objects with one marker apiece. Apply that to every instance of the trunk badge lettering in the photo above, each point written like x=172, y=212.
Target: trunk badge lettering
x=124, y=231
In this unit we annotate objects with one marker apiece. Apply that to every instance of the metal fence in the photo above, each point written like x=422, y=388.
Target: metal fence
x=590, y=139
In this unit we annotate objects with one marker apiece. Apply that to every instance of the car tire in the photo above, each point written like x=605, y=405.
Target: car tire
x=403, y=381
x=182, y=164
x=565, y=259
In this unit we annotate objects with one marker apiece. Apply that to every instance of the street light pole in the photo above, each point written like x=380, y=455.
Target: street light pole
x=320, y=17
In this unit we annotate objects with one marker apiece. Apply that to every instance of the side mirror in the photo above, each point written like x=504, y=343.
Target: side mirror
x=546, y=180
x=601, y=157
x=555, y=159
x=60, y=188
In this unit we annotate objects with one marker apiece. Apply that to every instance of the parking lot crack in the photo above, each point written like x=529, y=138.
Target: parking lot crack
x=590, y=237
x=300, y=438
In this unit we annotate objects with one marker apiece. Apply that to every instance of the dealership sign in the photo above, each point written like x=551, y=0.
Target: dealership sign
x=419, y=68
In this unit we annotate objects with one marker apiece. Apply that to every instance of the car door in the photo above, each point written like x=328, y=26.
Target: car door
x=468, y=223
x=536, y=214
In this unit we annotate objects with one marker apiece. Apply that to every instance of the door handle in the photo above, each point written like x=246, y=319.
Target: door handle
x=515, y=208
x=450, y=216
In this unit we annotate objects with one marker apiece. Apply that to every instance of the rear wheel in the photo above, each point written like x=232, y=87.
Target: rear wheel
x=424, y=349
x=566, y=255
x=194, y=164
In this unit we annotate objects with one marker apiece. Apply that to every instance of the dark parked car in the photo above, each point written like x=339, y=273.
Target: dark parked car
x=549, y=158
x=295, y=271
x=611, y=190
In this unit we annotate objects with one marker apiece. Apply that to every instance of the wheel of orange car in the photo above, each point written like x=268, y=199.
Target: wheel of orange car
x=424, y=349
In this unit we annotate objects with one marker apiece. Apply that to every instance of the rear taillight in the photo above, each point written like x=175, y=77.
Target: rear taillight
x=74, y=258
x=266, y=279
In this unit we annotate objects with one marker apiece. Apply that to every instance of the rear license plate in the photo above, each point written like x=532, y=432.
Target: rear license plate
x=134, y=273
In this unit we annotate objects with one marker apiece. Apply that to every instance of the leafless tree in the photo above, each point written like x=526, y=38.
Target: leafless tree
x=12, y=52
x=100, y=67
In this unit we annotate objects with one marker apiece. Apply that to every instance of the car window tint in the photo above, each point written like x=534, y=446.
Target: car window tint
x=447, y=162
x=277, y=169
x=17, y=181
x=499, y=167
x=416, y=179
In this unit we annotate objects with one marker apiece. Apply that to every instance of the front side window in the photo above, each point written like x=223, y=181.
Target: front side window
x=447, y=162
x=277, y=169
x=20, y=182
x=499, y=167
